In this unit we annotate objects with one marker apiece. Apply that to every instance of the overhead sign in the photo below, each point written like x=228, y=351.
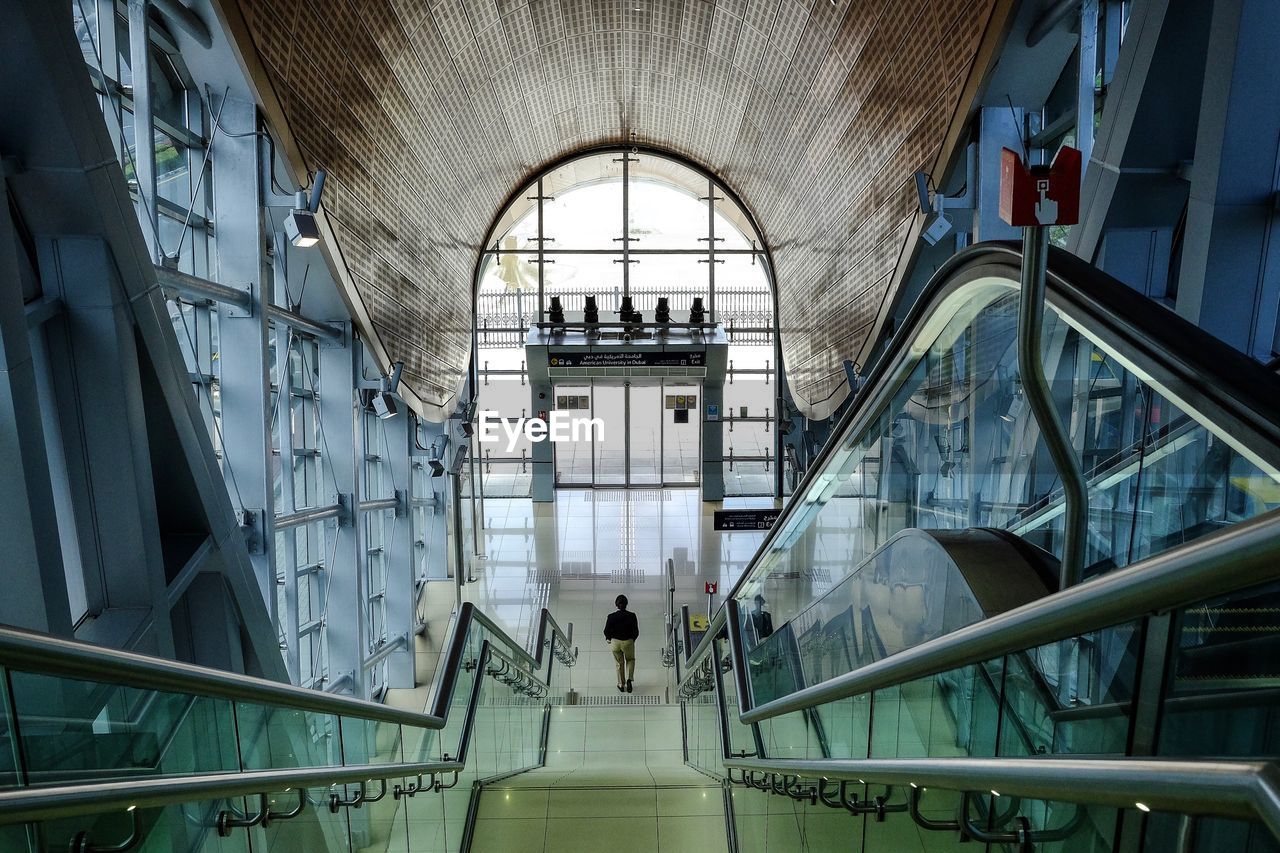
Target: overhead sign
x=744, y=519
x=634, y=358
x=1040, y=195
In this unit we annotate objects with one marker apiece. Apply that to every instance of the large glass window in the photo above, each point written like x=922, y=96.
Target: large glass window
x=618, y=224
x=184, y=200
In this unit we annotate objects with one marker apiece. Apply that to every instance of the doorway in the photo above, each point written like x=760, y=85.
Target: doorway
x=652, y=435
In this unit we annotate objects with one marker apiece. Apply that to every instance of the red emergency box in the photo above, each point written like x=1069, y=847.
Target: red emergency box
x=1040, y=195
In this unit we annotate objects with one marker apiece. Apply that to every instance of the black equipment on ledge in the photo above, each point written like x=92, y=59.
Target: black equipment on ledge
x=662, y=314
x=556, y=312
x=697, y=314
x=627, y=313
x=590, y=313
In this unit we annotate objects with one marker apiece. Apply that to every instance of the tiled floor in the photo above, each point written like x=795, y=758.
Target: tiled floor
x=614, y=781
x=574, y=556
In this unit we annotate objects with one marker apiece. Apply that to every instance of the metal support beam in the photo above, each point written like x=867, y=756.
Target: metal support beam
x=340, y=413
x=144, y=149
x=243, y=334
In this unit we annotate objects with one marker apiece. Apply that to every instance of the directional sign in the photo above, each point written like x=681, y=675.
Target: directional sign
x=620, y=358
x=744, y=519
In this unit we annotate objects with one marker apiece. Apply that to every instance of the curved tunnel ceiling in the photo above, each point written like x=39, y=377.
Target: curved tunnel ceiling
x=428, y=116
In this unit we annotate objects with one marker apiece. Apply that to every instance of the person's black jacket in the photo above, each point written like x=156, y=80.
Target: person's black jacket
x=621, y=625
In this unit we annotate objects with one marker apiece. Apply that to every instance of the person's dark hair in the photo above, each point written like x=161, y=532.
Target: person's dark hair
x=621, y=602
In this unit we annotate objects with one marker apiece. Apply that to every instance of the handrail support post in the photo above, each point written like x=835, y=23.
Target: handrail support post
x=1035, y=258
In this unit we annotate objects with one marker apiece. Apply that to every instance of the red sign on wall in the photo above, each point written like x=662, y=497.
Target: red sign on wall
x=710, y=587
x=1040, y=195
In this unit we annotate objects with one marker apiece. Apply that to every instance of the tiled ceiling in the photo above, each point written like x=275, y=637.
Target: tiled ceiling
x=427, y=115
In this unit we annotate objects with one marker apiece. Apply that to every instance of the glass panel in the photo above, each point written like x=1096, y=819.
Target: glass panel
x=73, y=730
x=681, y=434
x=609, y=404
x=645, y=431
x=573, y=458
x=956, y=446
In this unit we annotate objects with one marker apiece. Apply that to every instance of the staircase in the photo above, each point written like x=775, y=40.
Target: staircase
x=614, y=780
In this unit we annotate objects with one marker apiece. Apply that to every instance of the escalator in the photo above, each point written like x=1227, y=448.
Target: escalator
x=103, y=750
x=923, y=682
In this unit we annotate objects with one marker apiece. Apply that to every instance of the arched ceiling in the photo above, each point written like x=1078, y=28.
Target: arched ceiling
x=427, y=116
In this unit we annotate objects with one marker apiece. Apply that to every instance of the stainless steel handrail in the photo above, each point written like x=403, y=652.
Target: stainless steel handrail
x=28, y=805
x=1241, y=556
x=26, y=651
x=1230, y=789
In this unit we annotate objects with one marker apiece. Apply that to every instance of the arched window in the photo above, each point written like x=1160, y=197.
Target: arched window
x=620, y=223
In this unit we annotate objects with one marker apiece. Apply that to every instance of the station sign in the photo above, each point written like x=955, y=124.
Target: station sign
x=634, y=358
x=744, y=519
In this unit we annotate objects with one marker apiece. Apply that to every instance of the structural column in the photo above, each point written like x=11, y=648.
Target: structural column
x=243, y=341
x=345, y=606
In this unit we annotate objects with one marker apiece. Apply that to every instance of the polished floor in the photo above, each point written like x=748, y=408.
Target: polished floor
x=576, y=555
x=614, y=780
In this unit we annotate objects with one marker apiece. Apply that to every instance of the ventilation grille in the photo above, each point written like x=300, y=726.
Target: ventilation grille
x=632, y=495
x=622, y=699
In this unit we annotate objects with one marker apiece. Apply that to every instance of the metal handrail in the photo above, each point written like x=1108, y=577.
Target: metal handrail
x=29, y=805
x=1230, y=789
x=28, y=651
x=1238, y=557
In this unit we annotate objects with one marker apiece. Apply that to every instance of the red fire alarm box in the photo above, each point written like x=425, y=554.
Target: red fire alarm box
x=1040, y=195
x=710, y=588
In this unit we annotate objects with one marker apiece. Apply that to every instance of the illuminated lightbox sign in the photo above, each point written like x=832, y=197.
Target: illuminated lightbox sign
x=609, y=358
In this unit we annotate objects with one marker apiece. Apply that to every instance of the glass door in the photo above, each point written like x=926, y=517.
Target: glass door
x=681, y=434
x=644, y=430
x=574, y=457
x=609, y=403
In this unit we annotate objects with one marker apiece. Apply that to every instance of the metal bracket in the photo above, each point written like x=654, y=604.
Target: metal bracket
x=82, y=844
x=253, y=524
x=345, y=502
x=235, y=311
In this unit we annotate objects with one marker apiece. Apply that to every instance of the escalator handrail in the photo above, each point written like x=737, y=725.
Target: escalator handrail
x=28, y=651
x=1243, y=395
x=1242, y=556
x=1229, y=789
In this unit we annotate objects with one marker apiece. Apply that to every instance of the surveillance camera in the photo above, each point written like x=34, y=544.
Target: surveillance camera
x=936, y=227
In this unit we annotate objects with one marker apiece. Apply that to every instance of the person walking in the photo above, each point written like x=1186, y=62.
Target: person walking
x=620, y=632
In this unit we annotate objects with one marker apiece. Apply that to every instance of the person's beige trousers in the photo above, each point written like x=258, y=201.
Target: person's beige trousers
x=624, y=655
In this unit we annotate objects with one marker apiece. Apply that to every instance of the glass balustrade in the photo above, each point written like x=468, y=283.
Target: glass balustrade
x=64, y=731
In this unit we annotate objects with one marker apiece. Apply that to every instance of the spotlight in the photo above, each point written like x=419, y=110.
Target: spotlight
x=590, y=313
x=384, y=405
x=557, y=310
x=936, y=226
x=467, y=429
x=301, y=228
x=437, y=467
x=662, y=314
x=697, y=314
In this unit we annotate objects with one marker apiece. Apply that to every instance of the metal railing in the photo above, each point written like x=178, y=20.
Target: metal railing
x=24, y=651
x=1242, y=556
